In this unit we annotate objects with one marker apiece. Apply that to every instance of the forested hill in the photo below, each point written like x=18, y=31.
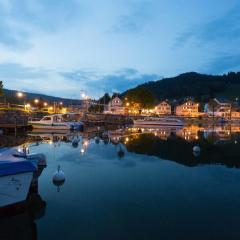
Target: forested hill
x=196, y=85
x=11, y=96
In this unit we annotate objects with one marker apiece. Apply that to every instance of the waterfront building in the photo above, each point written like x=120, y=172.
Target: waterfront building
x=115, y=106
x=163, y=108
x=219, y=107
x=188, y=109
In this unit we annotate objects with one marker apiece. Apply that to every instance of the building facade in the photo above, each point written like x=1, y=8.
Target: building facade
x=115, y=106
x=219, y=108
x=163, y=108
x=188, y=109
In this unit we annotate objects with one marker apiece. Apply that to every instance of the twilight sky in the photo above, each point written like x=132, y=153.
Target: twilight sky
x=60, y=47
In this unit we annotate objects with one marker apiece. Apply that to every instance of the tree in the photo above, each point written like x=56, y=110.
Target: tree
x=115, y=94
x=141, y=96
x=1, y=88
x=101, y=102
x=212, y=105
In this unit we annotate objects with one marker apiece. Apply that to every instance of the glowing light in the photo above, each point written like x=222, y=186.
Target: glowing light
x=61, y=103
x=82, y=150
x=36, y=100
x=20, y=94
x=127, y=104
x=45, y=104
x=85, y=142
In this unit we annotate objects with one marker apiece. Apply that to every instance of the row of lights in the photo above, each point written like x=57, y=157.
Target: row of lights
x=36, y=101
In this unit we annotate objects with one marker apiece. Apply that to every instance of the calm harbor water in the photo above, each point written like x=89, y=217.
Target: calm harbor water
x=134, y=184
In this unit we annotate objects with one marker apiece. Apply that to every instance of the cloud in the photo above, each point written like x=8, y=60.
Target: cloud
x=136, y=16
x=20, y=20
x=38, y=80
x=219, y=31
x=17, y=71
x=223, y=64
x=96, y=83
x=69, y=84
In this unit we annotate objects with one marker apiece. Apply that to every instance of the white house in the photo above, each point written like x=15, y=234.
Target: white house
x=219, y=108
x=188, y=109
x=115, y=106
x=163, y=108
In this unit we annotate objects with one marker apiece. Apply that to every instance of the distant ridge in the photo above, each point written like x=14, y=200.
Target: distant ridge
x=10, y=96
x=199, y=86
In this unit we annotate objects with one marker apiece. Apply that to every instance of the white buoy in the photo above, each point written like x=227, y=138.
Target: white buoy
x=196, y=149
x=58, y=177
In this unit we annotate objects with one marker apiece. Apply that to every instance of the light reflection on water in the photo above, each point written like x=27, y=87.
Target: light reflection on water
x=137, y=183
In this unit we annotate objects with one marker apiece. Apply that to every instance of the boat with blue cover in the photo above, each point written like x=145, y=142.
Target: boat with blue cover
x=16, y=175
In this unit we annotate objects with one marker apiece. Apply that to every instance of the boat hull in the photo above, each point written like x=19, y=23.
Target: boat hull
x=50, y=126
x=14, y=188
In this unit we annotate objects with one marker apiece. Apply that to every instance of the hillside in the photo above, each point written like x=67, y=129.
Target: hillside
x=11, y=96
x=196, y=85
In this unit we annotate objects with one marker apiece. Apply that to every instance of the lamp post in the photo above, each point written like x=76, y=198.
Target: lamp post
x=21, y=95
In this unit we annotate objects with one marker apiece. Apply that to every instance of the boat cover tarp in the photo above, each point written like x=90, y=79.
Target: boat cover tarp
x=16, y=167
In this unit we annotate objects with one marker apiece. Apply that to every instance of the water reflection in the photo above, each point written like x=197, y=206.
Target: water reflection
x=219, y=144
x=113, y=183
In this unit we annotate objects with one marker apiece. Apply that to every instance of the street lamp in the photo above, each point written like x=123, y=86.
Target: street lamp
x=27, y=106
x=45, y=104
x=20, y=94
x=36, y=101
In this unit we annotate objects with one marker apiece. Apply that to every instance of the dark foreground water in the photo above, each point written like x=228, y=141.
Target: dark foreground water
x=136, y=184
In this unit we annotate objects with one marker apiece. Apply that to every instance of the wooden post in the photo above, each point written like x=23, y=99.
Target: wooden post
x=15, y=125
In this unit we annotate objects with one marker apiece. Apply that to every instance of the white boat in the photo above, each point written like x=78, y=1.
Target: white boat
x=16, y=175
x=155, y=121
x=55, y=122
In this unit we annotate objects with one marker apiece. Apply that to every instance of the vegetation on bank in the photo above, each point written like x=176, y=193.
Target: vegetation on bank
x=10, y=96
x=200, y=86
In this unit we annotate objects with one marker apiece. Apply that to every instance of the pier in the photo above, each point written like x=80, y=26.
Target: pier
x=13, y=120
x=108, y=119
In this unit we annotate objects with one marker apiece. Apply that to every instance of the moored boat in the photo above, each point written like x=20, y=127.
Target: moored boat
x=155, y=121
x=15, y=179
x=55, y=122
